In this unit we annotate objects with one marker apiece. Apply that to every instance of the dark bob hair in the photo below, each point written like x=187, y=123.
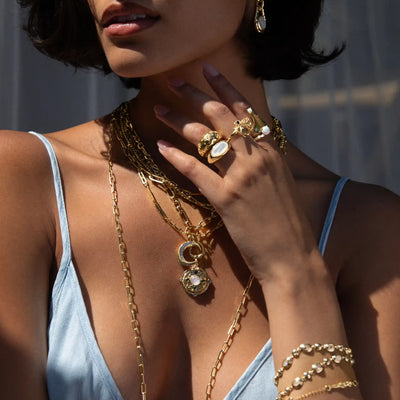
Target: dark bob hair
x=65, y=30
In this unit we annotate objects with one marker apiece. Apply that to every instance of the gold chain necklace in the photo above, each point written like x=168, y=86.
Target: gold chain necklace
x=196, y=247
x=133, y=308
x=146, y=166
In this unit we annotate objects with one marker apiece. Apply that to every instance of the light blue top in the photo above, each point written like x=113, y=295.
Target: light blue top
x=76, y=369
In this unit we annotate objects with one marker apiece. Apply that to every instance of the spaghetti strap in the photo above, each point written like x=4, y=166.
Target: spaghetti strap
x=62, y=213
x=331, y=213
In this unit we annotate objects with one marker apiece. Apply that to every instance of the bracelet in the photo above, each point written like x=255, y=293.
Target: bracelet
x=306, y=348
x=327, y=388
x=316, y=369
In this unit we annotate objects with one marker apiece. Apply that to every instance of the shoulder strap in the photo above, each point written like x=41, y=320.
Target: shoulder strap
x=331, y=213
x=62, y=214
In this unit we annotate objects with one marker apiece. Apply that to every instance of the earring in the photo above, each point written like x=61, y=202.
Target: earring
x=260, y=22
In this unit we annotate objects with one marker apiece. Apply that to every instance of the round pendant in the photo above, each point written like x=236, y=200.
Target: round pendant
x=195, y=281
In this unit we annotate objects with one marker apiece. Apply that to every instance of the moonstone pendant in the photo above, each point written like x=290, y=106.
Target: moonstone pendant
x=195, y=281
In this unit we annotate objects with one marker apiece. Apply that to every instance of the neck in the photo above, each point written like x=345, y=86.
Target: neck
x=154, y=90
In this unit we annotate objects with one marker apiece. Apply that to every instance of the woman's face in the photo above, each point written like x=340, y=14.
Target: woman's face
x=146, y=37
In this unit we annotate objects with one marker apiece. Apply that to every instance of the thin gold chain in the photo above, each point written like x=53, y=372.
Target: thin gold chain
x=328, y=388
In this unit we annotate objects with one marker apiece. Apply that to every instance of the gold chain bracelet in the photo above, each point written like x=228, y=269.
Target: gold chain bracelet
x=328, y=388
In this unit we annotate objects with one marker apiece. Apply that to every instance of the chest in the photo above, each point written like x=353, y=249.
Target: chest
x=182, y=336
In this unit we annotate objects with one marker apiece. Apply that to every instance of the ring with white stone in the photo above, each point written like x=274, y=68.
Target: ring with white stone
x=261, y=129
x=220, y=148
x=265, y=131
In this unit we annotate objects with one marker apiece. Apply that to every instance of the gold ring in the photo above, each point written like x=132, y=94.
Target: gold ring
x=207, y=142
x=261, y=129
x=245, y=126
x=220, y=148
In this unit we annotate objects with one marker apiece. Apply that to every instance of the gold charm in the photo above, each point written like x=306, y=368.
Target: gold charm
x=194, y=280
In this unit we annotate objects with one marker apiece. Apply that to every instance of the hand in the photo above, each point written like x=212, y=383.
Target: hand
x=253, y=191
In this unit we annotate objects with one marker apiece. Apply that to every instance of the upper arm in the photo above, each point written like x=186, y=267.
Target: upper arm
x=370, y=292
x=25, y=259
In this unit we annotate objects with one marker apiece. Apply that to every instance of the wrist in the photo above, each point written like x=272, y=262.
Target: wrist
x=309, y=273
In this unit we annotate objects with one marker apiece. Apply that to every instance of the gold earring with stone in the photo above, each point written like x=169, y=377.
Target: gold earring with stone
x=260, y=21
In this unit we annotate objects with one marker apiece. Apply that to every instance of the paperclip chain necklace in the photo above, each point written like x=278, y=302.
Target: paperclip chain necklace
x=133, y=308
x=195, y=279
x=142, y=163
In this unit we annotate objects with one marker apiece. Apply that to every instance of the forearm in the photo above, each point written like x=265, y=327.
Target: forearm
x=303, y=308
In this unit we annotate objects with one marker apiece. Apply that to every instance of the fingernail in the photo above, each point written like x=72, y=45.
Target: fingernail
x=176, y=82
x=163, y=145
x=161, y=110
x=210, y=70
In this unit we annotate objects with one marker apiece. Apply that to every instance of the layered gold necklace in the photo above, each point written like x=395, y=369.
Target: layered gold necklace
x=196, y=247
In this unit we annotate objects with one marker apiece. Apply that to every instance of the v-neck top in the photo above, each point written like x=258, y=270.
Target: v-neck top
x=76, y=369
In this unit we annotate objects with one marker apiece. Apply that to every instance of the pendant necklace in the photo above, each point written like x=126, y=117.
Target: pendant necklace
x=196, y=249
x=194, y=280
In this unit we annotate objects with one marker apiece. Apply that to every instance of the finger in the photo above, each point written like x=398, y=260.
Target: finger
x=190, y=130
x=205, y=179
x=225, y=91
x=219, y=114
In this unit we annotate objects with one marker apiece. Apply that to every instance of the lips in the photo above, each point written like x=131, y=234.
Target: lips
x=127, y=13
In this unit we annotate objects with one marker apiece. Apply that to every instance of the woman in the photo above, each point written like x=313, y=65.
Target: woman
x=74, y=326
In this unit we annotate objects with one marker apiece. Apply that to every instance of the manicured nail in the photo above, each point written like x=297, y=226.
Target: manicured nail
x=176, y=82
x=163, y=145
x=161, y=110
x=210, y=70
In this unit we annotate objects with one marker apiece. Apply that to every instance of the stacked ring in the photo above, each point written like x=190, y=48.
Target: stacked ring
x=215, y=147
x=220, y=149
x=207, y=142
x=261, y=129
x=245, y=126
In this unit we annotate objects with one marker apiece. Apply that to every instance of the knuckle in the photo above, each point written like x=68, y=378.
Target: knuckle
x=229, y=195
x=195, y=130
x=215, y=108
x=241, y=107
x=188, y=166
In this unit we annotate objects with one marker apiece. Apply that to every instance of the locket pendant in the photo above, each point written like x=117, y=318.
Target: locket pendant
x=195, y=280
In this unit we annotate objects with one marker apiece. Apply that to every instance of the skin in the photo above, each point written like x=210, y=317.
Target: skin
x=273, y=208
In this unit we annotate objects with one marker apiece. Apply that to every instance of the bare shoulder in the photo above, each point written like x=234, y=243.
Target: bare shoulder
x=369, y=285
x=21, y=151
x=26, y=179
x=370, y=224
x=27, y=242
